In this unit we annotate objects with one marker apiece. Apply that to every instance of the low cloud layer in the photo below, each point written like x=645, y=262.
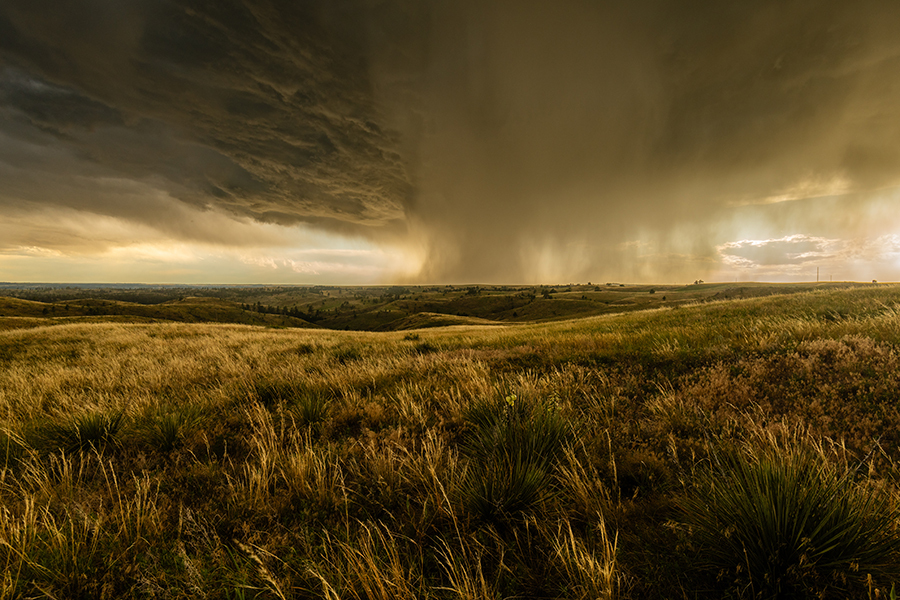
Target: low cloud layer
x=488, y=141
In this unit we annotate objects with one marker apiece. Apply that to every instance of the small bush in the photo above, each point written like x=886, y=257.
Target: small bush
x=513, y=447
x=779, y=522
x=92, y=430
x=312, y=408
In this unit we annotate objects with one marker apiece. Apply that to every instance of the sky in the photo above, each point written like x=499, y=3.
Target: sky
x=342, y=142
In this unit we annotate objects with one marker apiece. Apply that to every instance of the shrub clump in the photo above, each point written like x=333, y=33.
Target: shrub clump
x=513, y=445
x=779, y=522
x=90, y=430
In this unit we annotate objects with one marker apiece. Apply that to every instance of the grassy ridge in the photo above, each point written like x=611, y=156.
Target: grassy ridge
x=588, y=458
x=361, y=308
x=17, y=313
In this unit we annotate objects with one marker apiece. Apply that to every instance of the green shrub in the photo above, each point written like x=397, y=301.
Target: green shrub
x=311, y=408
x=512, y=446
x=781, y=522
x=91, y=430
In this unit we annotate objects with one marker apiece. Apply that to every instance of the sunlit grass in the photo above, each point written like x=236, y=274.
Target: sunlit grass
x=180, y=460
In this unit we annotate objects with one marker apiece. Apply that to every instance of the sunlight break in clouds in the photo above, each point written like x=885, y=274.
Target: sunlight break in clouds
x=797, y=258
x=72, y=246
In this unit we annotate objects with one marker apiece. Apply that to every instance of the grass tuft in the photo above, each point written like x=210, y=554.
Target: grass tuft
x=94, y=430
x=513, y=446
x=311, y=408
x=776, y=520
x=591, y=575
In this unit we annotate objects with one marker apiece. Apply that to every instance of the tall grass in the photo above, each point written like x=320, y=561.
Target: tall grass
x=554, y=460
x=591, y=575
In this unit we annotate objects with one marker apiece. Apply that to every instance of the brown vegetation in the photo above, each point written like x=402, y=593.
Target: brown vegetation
x=556, y=460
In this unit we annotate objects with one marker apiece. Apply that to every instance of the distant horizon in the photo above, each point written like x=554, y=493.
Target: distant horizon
x=88, y=285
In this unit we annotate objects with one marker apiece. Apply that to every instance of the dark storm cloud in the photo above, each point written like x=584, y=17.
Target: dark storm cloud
x=265, y=108
x=585, y=125
x=510, y=139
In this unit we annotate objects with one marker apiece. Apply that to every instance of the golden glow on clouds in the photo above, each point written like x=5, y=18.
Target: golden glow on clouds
x=809, y=187
x=63, y=245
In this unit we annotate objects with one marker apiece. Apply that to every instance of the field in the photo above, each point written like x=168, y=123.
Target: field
x=386, y=308
x=735, y=441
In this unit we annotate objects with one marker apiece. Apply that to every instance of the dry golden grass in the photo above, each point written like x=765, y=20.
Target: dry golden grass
x=253, y=462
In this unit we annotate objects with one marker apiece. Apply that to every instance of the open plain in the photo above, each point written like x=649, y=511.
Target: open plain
x=597, y=441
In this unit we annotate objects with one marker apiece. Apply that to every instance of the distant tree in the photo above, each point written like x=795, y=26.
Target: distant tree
x=652, y=291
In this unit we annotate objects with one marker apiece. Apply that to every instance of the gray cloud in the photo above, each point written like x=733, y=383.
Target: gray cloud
x=264, y=108
x=511, y=140
x=590, y=124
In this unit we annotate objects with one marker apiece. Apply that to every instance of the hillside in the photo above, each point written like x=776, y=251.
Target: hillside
x=611, y=456
x=379, y=308
x=16, y=313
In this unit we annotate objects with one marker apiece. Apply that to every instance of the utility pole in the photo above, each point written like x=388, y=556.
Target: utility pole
x=817, y=274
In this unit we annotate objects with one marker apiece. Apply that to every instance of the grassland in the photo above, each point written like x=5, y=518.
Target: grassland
x=384, y=308
x=728, y=448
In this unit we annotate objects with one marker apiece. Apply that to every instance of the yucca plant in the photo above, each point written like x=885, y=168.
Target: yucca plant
x=90, y=430
x=530, y=428
x=273, y=393
x=164, y=430
x=311, y=408
x=512, y=446
x=780, y=522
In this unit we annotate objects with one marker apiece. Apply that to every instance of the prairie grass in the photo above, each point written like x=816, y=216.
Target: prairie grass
x=92, y=430
x=591, y=575
x=601, y=457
